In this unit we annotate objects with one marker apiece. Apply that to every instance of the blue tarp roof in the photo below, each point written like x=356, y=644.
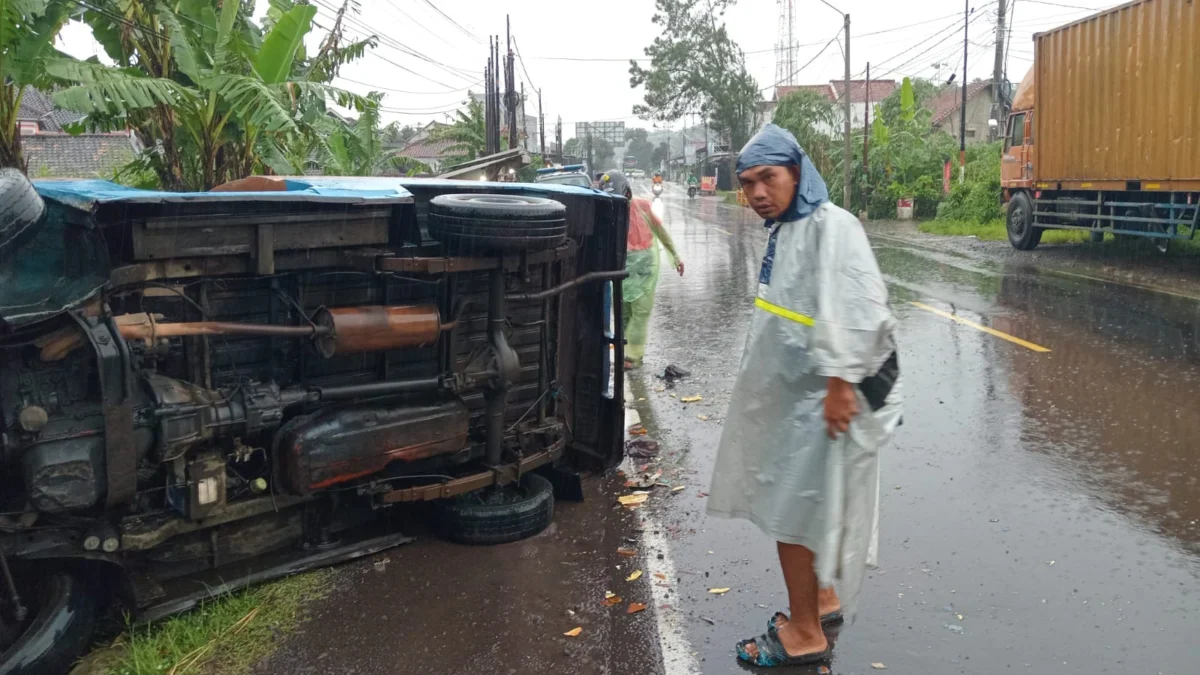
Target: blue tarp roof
x=86, y=195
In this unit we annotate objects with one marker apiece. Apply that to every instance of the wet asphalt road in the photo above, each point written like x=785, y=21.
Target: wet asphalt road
x=1041, y=510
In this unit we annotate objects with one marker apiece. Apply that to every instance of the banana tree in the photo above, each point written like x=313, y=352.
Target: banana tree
x=27, y=32
x=467, y=132
x=357, y=149
x=199, y=83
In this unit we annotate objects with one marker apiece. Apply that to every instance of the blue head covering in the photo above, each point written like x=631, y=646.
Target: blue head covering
x=776, y=146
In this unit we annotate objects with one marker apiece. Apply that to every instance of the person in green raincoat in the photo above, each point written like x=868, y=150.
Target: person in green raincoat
x=641, y=261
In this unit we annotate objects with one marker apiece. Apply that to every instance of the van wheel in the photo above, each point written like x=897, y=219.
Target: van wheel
x=500, y=515
x=21, y=210
x=470, y=223
x=58, y=627
x=1022, y=233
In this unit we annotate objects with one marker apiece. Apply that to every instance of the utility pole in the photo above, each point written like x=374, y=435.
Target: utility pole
x=541, y=127
x=999, y=90
x=867, y=121
x=591, y=163
x=524, y=127
x=962, y=123
x=846, y=152
x=558, y=142
x=487, y=102
x=510, y=87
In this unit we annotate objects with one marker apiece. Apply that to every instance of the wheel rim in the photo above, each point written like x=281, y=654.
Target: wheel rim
x=1016, y=221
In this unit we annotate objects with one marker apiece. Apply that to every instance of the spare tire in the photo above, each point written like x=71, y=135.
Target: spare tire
x=500, y=515
x=470, y=223
x=22, y=211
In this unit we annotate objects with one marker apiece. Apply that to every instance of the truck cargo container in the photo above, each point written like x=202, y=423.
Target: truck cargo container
x=1104, y=133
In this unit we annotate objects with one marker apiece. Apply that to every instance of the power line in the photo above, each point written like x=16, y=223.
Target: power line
x=378, y=87
x=419, y=24
x=807, y=64
x=523, y=69
x=456, y=24
x=974, y=17
x=1059, y=4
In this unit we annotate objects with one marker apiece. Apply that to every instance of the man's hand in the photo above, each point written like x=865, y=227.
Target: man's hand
x=679, y=267
x=841, y=405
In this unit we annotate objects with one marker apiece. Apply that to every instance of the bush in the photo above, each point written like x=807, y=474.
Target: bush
x=977, y=199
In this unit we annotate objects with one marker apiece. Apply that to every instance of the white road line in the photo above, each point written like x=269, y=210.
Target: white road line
x=678, y=656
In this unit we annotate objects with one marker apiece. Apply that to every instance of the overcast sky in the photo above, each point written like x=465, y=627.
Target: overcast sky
x=427, y=60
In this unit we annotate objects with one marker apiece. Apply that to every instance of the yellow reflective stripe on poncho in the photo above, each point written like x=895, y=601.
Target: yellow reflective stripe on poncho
x=783, y=312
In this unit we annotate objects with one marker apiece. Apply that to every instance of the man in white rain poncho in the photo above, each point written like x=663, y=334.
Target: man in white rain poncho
x=816, y=398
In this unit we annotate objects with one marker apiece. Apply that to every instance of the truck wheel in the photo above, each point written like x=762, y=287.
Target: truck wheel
x=500, y=515
x=470, y=223
x=1022, y=233
x=62, y=614
x=21, y=210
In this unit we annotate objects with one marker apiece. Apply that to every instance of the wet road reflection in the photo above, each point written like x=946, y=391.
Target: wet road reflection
x=1040, y=510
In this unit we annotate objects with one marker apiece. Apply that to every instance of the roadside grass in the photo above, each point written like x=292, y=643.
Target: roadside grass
x=728, y=196
x=996, y=231
x=224, y=636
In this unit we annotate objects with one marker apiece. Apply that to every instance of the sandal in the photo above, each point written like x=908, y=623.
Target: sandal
x=772, y=654
x=831, y=619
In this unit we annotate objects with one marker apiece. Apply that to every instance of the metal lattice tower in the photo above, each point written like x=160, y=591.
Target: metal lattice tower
x=785, y=45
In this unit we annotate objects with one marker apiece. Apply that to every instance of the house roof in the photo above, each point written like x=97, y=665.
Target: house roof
x=880, y=89
x=822, y=89
x=84, y=156
x=427, y=148
x=37, y=106
x=950, y=99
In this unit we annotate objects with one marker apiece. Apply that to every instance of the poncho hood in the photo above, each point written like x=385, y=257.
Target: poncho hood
x=776, y=146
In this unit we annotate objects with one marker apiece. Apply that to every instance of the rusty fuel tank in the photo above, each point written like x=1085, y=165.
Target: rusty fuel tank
x=339, y=444
x=353, y=330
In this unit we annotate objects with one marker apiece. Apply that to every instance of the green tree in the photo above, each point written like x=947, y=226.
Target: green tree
x=574, y=147
x=811, y=118
x=695, y=65
x=358, y=149
x=204, y=87
x=468, y=133
x=603, y=153
x=27, y=32
x=906, y=155
x=638, y=145
x=659, y=156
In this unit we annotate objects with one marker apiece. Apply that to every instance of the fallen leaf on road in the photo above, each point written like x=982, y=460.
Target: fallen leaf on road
x=627, y=552
x=718, y=591
x=708, y=620
x=678, y=488
x=635, y=607
x=691, y=399
x=611, y=600
x=633, y=499
x=702, y=418
x=878, y=666
x=574, y=632
x=637, y=430
x=959, y=617
x=637, y=574
x=702, y=494
x=660, y=575
x=659, y=389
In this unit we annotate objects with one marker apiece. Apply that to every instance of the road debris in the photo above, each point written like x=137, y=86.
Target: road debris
x=637, y=430
x=635, y=607
x=611, y=600
x=718, y=591
x=637, y=574
x=634, y=499
x=678, y=488
x=953, y=628
x=674, y=373
x=641, y=448
x=691, y=399
x=660, y=575
x=878, y=666
x=702, y=418
x=708, y=621
x=627, y=552
x=574, y=632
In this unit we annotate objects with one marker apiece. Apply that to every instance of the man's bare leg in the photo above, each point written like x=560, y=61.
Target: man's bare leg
x=802, y=633
x=828, y=602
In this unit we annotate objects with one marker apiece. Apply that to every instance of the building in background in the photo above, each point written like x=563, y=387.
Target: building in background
x=51, y=152
x=946, y=107
x=863, y=95
x=429, y=151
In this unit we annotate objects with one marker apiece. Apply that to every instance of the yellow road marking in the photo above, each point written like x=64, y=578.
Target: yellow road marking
x=783, y=312
x=985, y=329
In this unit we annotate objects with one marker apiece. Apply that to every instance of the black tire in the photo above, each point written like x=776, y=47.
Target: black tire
x=22, y=211
x=500, y=223
x=498, y=516
x=1022, y=233
x=62, y=615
